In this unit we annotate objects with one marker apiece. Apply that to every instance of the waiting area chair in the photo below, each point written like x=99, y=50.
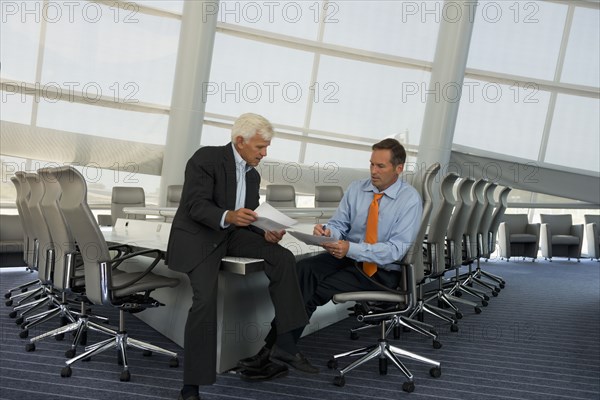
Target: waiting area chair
x=174, y=195
x=559, y=237
x=592, y=235
x=281, y=196
x=518, y=238
x=328, y=196
x=105, y=283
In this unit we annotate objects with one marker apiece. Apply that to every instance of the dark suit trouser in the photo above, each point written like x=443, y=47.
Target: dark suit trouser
x=323, y=276
x=200, y=340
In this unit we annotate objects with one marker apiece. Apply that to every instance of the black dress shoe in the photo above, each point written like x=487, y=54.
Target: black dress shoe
x=192, y=397
x=269, y=371
x=256, y=362
x=297, y=361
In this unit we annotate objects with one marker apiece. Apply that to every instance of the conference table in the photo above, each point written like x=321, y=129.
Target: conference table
x=244, y=306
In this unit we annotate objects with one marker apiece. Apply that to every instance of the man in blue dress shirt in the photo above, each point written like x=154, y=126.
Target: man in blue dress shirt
x=326, y=274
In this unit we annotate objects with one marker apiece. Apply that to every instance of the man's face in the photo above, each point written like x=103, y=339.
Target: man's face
x=252, y=150
x=383, y=173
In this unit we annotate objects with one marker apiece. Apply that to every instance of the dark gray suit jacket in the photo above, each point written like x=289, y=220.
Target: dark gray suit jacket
x=208, y=191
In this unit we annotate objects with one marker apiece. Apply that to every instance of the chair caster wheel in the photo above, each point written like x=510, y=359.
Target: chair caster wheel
x=332, y=364
x=339, y=381
x=70, y=353
x=494, y=293
x=19, y=320
x=125, y=376
x=454, y=328
x=59, y=337
x=7, y=295
x=437, y=344
x=477, y=310
x=354, y=335
x=12, y=314
x=147, y=353
x=9, y=303
x=24, y=333
x=408, y=387
x=435, y=372
x=459, y=315
x=30, y=347
x=174, y=362
x=486, y=297
x=66, y=372
x=484, y=303
x=24, y=290
x=502, y=285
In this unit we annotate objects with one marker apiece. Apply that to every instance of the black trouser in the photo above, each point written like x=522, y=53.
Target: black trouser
x=323, y=276
x=200, y=340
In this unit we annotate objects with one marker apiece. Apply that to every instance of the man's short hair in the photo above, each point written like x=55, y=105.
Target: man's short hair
x=249, y=124
x=398, y=151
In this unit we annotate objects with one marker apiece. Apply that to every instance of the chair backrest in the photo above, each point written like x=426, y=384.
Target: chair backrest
x=174, y=195
x=499, y=211
x=126, y=196
x=39, y=225
x=23, y=194
x=281, y=195
x=328, y=196
x=460, y=218
x=423, y=183
x=17, y=184
x=559, y=224
x=478, y=207
x=64, y=243
x=486, y=218
x=592, y=219
x=440, y=219
x=516, y=223
x=79, y=217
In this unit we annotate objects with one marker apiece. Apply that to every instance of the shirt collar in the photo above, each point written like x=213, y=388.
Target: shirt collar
x=239, y=161
x=391, y=191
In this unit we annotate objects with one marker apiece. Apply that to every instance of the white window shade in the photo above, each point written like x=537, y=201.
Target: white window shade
x=494, y=117
x=125, y=55
x=575, y=135
x=582, y=65
x=265, y=79
x=19, y=39
x=16, y=107
x=369, y=100
x=401, y=28
x=517, y=37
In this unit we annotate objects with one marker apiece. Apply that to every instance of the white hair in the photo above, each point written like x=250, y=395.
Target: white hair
x=249, y=124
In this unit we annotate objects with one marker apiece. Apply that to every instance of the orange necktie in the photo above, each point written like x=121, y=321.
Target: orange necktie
x=370, y=268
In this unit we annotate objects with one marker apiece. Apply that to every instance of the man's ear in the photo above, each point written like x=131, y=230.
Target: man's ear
x=399, y=168
x=239, y=141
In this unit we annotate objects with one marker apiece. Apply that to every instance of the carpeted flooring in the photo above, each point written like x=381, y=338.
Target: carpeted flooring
x=539, y=339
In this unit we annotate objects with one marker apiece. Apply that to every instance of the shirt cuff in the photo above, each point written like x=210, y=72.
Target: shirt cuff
x=223, y=224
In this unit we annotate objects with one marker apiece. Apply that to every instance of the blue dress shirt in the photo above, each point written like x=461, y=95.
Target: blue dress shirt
x=241, y=168
x=400, y=211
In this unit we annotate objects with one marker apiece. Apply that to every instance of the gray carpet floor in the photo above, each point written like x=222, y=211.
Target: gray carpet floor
x=539, y=339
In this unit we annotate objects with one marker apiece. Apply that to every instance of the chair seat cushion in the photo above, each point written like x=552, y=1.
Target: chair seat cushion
x=564, y=239
x=523, y=238
x=148, y=282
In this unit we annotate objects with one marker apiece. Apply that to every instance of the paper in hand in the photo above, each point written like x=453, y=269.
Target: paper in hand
x=271, y=219
x=312, y=239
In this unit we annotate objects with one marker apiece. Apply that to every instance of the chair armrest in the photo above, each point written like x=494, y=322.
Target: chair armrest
x=577, y=230
x=504, y=239
x=546, y=240
x=534, y=229
x=591, y=232
x=160, y=255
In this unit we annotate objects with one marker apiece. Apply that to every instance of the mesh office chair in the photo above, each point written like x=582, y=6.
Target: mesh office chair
x=559, y=237
x=67, y=279
x=105, y=283
x=404, y=301
x=328, y=196
x=281, y=196
x=592, y=232
x=518, y=238
x=123, y=196
x=23, y=192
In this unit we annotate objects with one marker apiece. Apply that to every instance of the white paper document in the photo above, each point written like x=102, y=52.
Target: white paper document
x=271, y=219
x=312, y=239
